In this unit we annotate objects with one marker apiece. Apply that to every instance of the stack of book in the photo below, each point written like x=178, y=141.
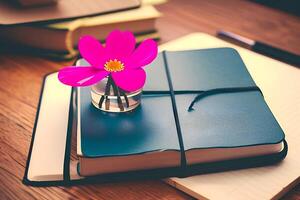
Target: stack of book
x=230, y=125
x=224, y=131
x=59, y=39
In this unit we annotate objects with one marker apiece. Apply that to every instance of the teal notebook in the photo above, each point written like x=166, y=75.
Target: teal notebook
x=198, y=107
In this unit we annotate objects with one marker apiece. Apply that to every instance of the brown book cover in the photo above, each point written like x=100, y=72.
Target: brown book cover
x=63, y=36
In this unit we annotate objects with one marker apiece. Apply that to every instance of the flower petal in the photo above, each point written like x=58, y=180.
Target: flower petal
x=120, y=44
x=130, y=80
x=81, y=76
x=92, y=50
x=143, y=55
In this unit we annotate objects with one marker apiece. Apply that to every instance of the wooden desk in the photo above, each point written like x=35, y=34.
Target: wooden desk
x=21, y=78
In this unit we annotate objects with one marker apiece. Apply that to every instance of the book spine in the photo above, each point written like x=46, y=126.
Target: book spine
x=69, y=42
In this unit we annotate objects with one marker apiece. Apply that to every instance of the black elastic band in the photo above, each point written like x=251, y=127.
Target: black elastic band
x=221, y=91
x=159, y=92
x=66, y=169
x=203, y=93
x=67, y=159
x=182, y=152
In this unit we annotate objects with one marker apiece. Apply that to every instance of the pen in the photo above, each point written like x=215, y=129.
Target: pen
x=263, y=48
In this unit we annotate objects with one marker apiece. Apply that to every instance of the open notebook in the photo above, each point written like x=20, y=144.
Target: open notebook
x=280, y=85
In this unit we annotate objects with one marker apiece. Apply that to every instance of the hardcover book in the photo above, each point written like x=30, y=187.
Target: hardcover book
x=201, y=111
x=62, y=37
x=59, y=40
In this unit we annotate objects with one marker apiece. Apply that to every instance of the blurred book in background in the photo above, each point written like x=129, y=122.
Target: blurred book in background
x=59, y=40
x=289, y=6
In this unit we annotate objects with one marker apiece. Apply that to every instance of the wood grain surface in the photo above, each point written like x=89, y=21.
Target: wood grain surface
x=21, y=79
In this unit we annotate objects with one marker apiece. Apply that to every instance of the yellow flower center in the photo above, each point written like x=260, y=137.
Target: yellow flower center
x=114, y=66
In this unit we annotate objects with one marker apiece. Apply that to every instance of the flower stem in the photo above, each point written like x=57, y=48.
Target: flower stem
x=105, y=96
x=117, y=93
x=107, y=90
x=107, y=93
x=125, y=96
x=101, y=101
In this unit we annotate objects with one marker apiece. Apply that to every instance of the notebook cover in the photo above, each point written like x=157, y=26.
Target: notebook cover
x=225, y=120
x=62, y=10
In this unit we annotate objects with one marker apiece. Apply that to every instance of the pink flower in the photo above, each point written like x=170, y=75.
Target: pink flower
x=118, y=58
